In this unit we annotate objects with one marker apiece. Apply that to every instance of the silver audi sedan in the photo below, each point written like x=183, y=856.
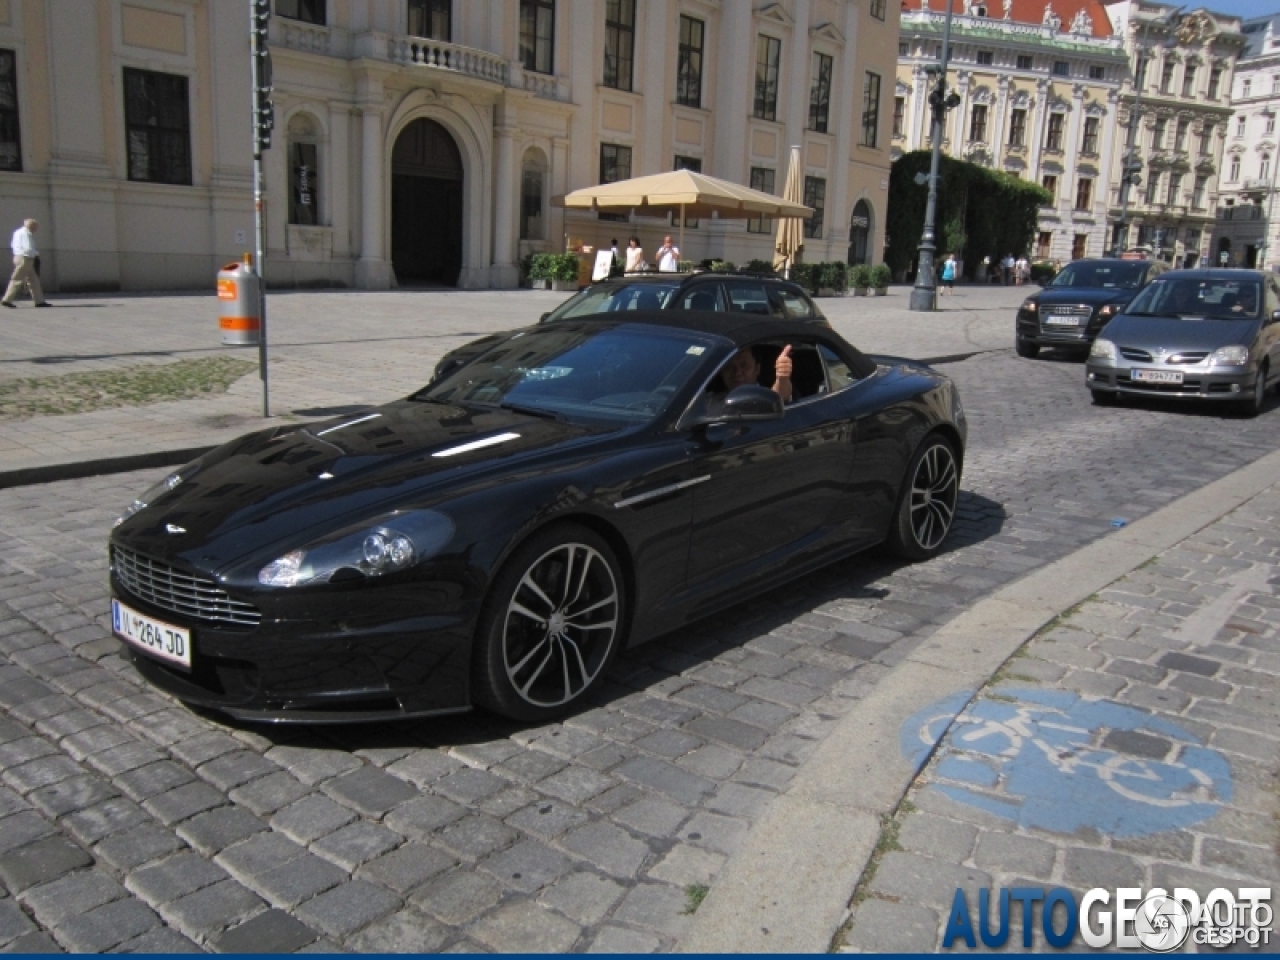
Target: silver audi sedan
x=1203, y=334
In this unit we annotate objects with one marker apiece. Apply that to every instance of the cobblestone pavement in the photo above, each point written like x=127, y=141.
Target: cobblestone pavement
x=1132, y=743
x=130, y=822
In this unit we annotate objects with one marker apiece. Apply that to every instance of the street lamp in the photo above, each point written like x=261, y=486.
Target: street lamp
x=924, y=295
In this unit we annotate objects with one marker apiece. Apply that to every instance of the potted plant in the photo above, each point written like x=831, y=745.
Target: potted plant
x=760, y=267
x=880, y=277
x=860, y=279
x=833, y=278
x=805, y=274
x=565, y=272
x=723, y=266
x=541, y=269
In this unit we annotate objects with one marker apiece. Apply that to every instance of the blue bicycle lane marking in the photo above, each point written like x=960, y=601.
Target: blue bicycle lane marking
x=1040, y=758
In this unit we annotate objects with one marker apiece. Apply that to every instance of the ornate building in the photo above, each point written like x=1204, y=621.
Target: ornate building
x=1038, y=84
x=423, y=140
x=1246, y=211
x=1184, y=66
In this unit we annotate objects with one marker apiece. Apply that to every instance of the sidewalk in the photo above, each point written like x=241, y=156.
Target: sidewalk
x=333, y=350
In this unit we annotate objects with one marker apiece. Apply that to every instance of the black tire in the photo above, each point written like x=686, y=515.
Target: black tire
x=1025, y=348
x=1103, y=398
x=531, y=661
x=1252, y=405
x=927, y=502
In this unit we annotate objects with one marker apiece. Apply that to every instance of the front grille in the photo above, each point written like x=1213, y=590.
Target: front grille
x=1133, y=353
x=1188, y=357
x=1068, y=311
x=162, y=586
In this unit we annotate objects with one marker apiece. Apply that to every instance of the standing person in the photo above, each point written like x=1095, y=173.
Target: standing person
x=613, y=252
x=635, y=256
x=949, y=274
x=1006, y=268
x=24, y=266
x=668, y=256
x=1020, y=270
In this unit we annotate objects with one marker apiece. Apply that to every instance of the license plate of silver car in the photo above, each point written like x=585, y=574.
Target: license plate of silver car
x=1156, y=376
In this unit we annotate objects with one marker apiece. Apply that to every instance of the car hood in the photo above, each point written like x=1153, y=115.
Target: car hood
x=1094, y=297
x=1172, y=334
x=287, y=485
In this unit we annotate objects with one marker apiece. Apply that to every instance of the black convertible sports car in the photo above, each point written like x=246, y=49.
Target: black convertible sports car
x=497, y=537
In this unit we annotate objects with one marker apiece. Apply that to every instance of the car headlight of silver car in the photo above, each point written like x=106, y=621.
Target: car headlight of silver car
x=1233, y=356
x=1103, y=350
x=156, y=491
x=392, y=543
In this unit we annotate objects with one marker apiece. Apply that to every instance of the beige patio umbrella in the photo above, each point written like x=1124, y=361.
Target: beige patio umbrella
x=684, y=192
x=790, y=241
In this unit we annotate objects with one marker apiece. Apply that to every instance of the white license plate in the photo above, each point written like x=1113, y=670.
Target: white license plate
x=1156, y=376
x=1061, y=321
x=160, y=639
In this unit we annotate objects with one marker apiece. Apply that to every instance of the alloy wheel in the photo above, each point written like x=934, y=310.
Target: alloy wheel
x=934, y=491
x=561, y=624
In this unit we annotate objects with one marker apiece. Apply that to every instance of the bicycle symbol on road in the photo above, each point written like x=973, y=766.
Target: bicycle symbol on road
x=1057, y=761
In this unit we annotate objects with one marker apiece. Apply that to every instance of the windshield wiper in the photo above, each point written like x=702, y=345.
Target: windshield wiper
x=531, y=411
x=1172, y=316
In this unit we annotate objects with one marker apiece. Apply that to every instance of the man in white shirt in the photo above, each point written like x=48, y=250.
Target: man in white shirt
x=24, y=266
x=668, y=256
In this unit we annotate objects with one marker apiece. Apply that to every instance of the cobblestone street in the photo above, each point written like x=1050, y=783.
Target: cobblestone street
x=130, y=822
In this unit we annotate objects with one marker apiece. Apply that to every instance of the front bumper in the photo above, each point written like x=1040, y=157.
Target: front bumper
x=1214, y=383
x=1038, y=327
x=378, y=662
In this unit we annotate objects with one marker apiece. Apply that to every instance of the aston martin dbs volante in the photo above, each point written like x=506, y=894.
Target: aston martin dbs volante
x=495, y=538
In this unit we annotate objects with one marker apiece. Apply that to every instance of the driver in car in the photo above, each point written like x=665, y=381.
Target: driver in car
x=744, y=368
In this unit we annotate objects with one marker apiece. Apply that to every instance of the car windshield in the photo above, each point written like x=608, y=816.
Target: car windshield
x=1119, y=274
x=1196, y=297
x=617, y=375
x=611, y=297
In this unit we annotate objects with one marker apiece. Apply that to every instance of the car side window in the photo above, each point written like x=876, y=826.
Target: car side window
x=746, y=296
x=795, y=304
x=839, y=373
x=702, y=296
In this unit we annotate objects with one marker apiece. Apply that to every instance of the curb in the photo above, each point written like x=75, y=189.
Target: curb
x=789, y=887
x=95, y=468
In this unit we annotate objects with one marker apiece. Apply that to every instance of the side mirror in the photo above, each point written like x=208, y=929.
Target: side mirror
x=543, y=318
x=744, y=404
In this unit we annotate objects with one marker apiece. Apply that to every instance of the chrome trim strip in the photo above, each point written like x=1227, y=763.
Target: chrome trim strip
x=660, y=492
x=476, y=445
x=349, y=423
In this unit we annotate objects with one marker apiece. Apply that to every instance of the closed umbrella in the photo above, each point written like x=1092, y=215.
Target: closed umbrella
x=685, y=192
x=790, y=240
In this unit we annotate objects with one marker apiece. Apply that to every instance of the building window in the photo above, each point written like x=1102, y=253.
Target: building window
x=1215, y=78
x=1097, y=73
x=1233, y=170
x=986, y=57
x=1050, y=182
x=899, y=116
x=689, y=63
x=1090, y=144
x=1018, y=128
x=304, y=171
x=1275, y=84
x=1240, y=126
x=1153, y=188
x=1061, y=68
x=904, y=48
x=1180, y=135
x=1264, y=168
x=1166, y=78
x=615, y=165
x=1157, y=134
x=1044, y=244
x=877, y=9
x=1024, y=61
x=1053, y=137
x=431, y=19
x=1079, y=245
x=1084, y=193
x=820, y=93
x=1175, y=189
x=533, y=179
x=762, y=180
x=1270, y=126
x=1206, y=140
x=10, y=144
x=537, y=35
x=619, y=43
x=768, y=60
x=686, y=163
x=1246, y=87
x=871, y=110
x=1189, y=81
x=157, y=124
x=815, y=196
x=308, y=11
x=978, y=123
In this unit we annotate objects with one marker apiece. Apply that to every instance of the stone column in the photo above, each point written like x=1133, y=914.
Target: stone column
x=504, y=274
x=999, y=121
x=796, y=99
x=373, y=272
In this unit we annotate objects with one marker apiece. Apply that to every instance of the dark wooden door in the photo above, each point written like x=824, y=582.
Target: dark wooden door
x=426, y=205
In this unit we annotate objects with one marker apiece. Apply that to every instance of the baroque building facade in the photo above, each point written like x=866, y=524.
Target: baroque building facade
x=1247, y=231
x=1181, y=65
x=423, y=141
x=1038, y=85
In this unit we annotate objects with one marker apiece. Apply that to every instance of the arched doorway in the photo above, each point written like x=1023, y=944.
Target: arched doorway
x=860, y=233
x=426, y=205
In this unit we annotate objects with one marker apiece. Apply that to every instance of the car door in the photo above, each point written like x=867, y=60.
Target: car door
x=771, y=492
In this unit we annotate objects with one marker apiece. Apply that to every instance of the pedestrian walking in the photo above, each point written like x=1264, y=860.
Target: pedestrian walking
x=25, y=256
x=949, y=274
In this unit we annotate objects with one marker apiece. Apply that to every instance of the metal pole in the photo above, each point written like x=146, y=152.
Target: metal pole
x=924, y=295
x=257, y=56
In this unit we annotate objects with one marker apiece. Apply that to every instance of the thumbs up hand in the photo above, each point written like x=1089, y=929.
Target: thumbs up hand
x=782, y=366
